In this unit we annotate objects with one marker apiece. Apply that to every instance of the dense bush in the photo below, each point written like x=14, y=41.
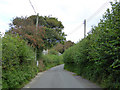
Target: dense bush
x=52, y=59
x=0, y=61
x=18, y=62
x=18, y=65
x=97, y=57
x=52, y=51
x=61, y=47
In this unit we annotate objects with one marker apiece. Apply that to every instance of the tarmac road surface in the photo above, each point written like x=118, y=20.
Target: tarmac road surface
x=57, y=77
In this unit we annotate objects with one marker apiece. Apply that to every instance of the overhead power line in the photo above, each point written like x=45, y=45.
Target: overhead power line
x=32, y=6
x=36, y=29
x=91, y=17
x=98, y=11
x=76, y=29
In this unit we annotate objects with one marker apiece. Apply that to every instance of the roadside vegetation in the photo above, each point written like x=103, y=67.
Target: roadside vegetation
x=0, y=61
x=22, y=48
x=52, y=59
x=97, y=57
x=18, y=65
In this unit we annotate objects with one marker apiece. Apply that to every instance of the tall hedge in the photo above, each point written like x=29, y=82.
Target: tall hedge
x=18, y=62
x=52, y=59
x=97, y=57
x=0, y=61
x=18, y=65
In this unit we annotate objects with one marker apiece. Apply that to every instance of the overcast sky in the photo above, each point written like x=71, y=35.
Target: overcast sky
x=70, y=12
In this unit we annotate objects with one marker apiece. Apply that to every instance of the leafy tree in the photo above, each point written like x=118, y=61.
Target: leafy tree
x=68, y=44
x=48, y=34
x=62, y=47
x=53, y=30
x=59, y=47
x=27, y=30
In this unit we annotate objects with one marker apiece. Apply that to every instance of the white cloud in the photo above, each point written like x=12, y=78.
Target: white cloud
x=70, y=12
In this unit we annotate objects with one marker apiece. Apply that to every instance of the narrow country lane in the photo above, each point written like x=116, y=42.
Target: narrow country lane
x=57, y=77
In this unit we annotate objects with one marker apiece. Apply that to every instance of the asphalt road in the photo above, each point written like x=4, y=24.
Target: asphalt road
x=57, y=77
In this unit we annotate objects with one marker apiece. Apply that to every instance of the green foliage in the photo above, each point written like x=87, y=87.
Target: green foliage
x=52, y=59
x=18, y=61
x=62, y=47
x=53, y=23
x=49, y=30
x=18, y=65
x=52, y=51
x=0, y=61
x=49, y=22
x=0, y=48
x=59, y=47
x=97, y=57
x=27, y=30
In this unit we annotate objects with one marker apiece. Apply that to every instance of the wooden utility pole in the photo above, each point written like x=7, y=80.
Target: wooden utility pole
x=36, y=30
x=37, y=22
x=84, y=28
x=36, y=33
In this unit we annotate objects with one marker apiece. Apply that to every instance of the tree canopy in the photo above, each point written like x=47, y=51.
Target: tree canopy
x=48, y=33
x=62, y=47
